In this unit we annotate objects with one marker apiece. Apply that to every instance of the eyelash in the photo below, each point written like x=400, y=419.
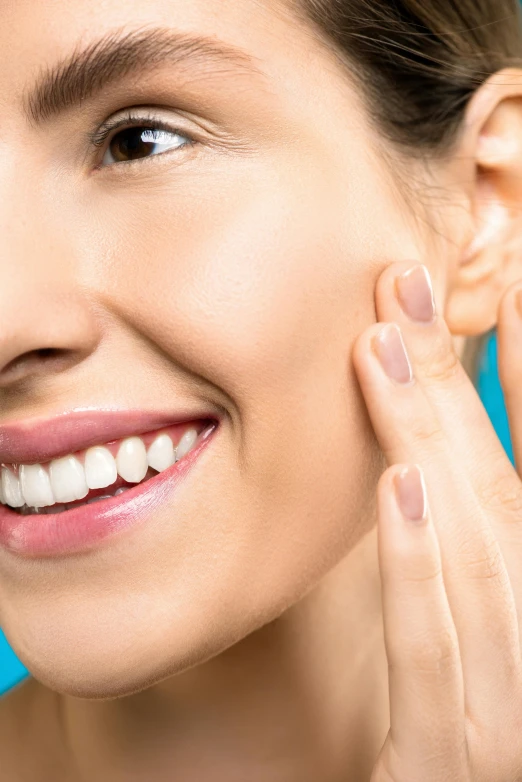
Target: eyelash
x=145, y=121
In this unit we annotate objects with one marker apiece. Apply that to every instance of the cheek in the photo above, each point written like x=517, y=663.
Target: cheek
x=259, y=292
x=250, y=286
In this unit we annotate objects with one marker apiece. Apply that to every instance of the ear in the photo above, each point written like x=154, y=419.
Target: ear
x=492, y=260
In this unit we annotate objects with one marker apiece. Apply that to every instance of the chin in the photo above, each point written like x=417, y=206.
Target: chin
x=105, y=655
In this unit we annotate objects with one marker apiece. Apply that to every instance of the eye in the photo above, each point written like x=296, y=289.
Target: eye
x=137, y=143
x=148, y=139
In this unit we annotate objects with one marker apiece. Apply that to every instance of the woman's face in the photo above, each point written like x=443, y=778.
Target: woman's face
x=228, y=267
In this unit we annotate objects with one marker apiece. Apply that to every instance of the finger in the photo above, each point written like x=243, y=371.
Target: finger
x=427, y=706
x=448, y=387
x=475, y=574
x=510, y=374
x=509, y=333
x=473, y=440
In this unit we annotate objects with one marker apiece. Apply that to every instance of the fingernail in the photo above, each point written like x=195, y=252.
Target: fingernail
x=411, y=493
x=391, y=352
x=415, y=294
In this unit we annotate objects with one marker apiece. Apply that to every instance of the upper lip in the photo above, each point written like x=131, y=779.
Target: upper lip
x=40, y=440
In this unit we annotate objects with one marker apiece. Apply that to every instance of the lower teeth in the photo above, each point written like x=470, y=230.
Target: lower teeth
x=107, y=496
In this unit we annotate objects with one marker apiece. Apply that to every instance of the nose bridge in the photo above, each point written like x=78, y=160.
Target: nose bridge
x=43, y=310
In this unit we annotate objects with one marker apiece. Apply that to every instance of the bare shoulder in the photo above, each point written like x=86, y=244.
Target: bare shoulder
x=29, y=733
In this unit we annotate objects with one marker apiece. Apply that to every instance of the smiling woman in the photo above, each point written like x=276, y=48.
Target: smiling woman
x=246, y=532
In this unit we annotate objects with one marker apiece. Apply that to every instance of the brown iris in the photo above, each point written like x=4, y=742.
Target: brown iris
x=134, y=143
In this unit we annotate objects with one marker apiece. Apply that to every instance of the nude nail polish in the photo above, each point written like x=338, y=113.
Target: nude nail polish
x=411, y=493
x=415, y=294
x=389, y=347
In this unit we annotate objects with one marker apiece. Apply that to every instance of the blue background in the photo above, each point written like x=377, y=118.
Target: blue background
x=12, y=671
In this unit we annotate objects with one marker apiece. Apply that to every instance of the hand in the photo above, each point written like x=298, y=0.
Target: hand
x=452, y=581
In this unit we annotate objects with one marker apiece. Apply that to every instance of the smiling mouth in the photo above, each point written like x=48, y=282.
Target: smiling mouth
x=98, y=473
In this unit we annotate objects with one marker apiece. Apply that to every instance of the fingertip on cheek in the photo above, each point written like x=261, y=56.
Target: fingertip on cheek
x=389, y=348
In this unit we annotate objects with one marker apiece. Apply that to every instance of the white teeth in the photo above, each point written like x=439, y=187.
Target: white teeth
x=36, y=486
x=100, y=467
x=186, y=443
x=67, y=480
x=161, y=453
x=131, y=460
x=11, y=489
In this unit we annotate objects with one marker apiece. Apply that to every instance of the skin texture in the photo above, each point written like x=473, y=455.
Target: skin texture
x=238, y=633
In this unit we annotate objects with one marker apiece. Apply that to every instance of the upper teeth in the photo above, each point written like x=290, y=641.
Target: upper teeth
x=67, y=479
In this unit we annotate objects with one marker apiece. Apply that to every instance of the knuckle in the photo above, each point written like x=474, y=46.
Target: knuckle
x=486, y=568
x=435, y=654
x=503, y=494
x=488, y=563
x=422, y=575
x=444, y=368
x=427, y=431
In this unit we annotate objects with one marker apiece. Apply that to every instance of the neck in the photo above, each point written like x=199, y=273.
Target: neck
x=303, y=698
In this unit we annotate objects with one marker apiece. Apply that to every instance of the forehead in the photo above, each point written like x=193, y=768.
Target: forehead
x=37, y=37
x=33, y=32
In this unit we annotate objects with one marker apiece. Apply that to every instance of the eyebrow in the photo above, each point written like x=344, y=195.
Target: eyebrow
x=116, y=55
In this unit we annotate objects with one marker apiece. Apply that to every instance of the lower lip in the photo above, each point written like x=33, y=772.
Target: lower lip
x=85, y=527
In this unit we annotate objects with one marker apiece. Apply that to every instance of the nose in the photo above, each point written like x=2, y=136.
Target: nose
x=44, y=329
x=47, y=322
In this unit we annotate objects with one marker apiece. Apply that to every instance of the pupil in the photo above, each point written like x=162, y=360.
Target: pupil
x=129, y=145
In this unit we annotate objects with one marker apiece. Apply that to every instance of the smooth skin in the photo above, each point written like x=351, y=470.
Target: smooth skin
x=238, y=633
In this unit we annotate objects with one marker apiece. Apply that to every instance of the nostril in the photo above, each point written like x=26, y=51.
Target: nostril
x=46, y=352
x=33, y=360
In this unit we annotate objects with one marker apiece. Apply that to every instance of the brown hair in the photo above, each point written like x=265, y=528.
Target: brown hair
x=418, y=63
